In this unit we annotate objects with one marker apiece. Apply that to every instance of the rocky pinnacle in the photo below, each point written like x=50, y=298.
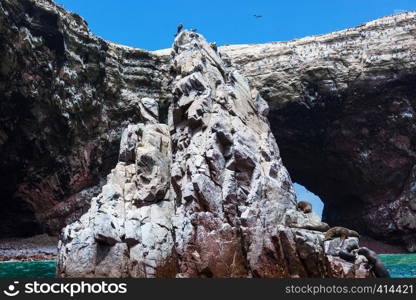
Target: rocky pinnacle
x=341, y=107
x=205, y=196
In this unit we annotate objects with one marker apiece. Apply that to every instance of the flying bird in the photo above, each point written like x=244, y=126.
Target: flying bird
x=258, y=16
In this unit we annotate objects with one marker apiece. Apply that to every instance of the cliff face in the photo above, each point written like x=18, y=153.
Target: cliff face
x=342, y=109
x=66, y=95
x=210, y=199
x=204, y=192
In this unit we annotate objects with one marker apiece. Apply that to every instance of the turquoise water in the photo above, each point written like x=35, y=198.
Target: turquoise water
x=399, y=266
x=28, y=269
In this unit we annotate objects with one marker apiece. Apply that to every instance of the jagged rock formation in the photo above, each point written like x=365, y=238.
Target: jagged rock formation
x=230, y=210
x=231, y=189
x=342, y=108
x=66, y=96
x=128, y=230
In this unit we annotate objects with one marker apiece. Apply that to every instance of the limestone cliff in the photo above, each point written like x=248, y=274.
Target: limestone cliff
x=341, y=109
x=217, y=202
x=343, y=113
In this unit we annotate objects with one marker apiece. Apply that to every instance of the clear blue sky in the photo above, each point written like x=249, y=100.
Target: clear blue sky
x=151, y=24
x=304, y=195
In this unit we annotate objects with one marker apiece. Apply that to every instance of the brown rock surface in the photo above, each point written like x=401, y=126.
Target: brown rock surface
x=66, y=96
x=342, y=108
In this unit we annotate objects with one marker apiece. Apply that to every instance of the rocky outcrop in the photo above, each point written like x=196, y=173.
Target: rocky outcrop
x=66, y=96
x=128, y=230
x=206, y=195
x=230, y=185
x=217, y=202
x=342, y=108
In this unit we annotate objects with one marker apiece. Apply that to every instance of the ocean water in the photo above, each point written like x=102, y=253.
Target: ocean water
x=28, y=269
x=399, y=266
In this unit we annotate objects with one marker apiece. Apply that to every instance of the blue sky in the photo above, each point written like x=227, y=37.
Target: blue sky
x=304, y=195
x=151, y=24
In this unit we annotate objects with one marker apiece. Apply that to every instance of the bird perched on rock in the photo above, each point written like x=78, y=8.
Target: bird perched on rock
x=180, y=26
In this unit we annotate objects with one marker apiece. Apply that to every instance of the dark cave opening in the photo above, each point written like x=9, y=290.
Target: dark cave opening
x=35, y=169
x=17, y=217
x=322, y=164
x=355, y=152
